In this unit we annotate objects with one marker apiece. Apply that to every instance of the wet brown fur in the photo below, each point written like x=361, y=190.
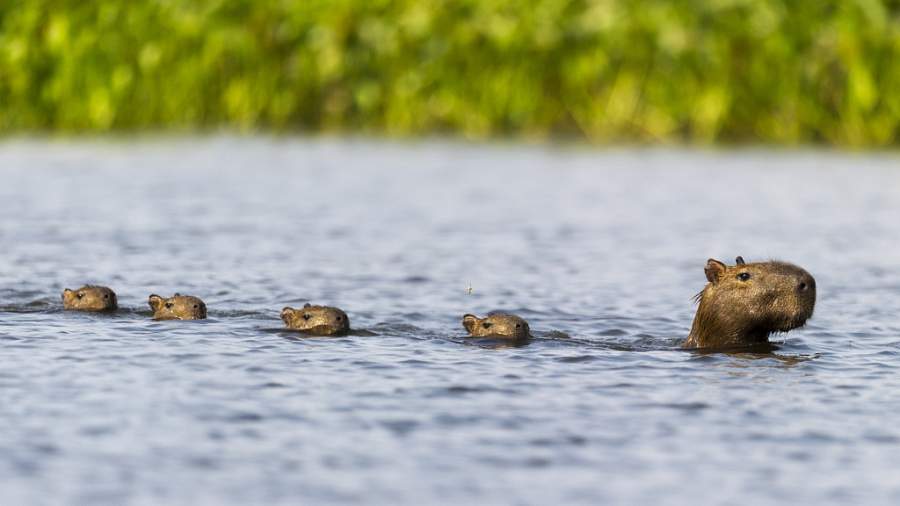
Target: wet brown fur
x=90, y=298
x=504, y=326
x=178, y=307
x=317, y=320
x=743, y=304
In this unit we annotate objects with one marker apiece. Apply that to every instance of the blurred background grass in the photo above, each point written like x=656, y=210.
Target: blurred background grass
x=771, y=71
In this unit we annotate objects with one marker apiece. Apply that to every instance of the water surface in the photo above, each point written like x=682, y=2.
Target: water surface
x=600, y=250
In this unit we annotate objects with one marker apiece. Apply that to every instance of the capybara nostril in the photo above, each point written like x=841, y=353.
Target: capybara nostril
x=806, y=284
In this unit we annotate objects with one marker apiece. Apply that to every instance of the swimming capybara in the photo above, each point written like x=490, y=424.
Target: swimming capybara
x=316, y=320
x=179, y=307
x=744, y=303
x=505, y=326
x=90, y=298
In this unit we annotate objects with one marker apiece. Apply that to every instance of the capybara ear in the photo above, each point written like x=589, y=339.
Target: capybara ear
x=469, y=322
x=307, y=305
x=714, y=270
x=286, y=314
x=155, y=302
x=739, y=260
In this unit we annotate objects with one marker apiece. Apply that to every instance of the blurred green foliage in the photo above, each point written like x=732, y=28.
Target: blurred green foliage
x=776, y=71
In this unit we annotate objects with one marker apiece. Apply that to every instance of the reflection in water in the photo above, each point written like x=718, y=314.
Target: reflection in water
x=755, y=349
x=495, y=343
x=599, y=251
x=779, y=359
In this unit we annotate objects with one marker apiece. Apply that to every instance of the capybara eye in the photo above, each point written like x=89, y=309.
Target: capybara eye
x=338, y=318
x=306, y=316
x=518, y=325
x=169, y=305
x=486, y=325
x=80, y=295
x=106, y=296
x=196, y=306
x=744, y=276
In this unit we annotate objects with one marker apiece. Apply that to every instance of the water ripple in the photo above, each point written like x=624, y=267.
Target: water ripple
x=600, y=251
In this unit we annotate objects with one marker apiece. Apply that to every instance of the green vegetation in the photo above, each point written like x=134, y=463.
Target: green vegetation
x=777, y=71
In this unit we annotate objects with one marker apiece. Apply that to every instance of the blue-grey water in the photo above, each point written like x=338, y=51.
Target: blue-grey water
x=601, y=251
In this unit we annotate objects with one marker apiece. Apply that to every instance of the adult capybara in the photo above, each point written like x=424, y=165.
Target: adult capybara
x=744, y=303
x=316, y=320
x=90, y=298
x=178, y=307
x=504, y=326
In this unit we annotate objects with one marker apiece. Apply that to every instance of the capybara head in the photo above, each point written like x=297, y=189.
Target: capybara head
x=179, y=307
x=90, y=298
x=317, y=320
x=742, y=304
x=504, y=326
